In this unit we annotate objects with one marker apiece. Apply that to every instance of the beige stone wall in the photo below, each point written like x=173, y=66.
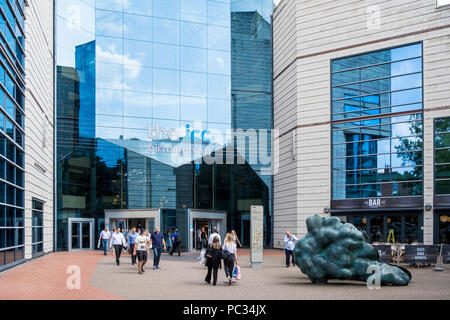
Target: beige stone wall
x=325, y=30
x=39, y=126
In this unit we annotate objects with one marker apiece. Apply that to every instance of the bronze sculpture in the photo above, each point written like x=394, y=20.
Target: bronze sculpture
x=335, y=250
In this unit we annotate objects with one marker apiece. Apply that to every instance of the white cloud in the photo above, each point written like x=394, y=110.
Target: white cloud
x=133, y=67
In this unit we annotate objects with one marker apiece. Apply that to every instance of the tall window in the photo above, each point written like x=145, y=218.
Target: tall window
x=442, y=156
x=377, y=124
x=442, y=174
x=12, y=235
x=38, y=227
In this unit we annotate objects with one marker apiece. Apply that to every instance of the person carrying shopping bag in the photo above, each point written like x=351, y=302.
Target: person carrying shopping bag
x=204, y=245
x=229, y=255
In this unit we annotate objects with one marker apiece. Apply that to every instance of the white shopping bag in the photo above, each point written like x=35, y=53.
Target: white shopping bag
x=203, y=256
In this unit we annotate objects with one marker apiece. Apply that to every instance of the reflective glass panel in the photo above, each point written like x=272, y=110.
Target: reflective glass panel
x=378, y=156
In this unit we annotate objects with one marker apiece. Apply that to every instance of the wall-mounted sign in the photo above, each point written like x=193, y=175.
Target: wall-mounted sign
x=378, y=203
x=375, y=203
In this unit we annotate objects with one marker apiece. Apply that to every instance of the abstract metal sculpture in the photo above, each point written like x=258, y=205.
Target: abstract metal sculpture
x=335, y=250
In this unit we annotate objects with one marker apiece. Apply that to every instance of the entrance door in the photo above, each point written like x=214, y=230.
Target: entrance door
x=245, y=231
x=207, y=219
x=151, y=225
x=119, y=223
x=81, y=234
x=198, y=225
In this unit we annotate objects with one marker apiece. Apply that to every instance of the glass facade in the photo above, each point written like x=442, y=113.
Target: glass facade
x=442, y=221
x=12, y=88
x=377, y=124
x=392, y=227
x=442, y=176
x=442, y=156
x=377, y=141
x=147, y=93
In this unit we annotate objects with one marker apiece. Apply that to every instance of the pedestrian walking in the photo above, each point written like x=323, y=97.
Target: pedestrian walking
x=198, y=240
x=236, y=238
x=204, y=238
x=229, y=256
x=158, y=243
x=118, y=241
x=289, y=241
x=214, y=261
x=169, y=240
x=141, y=251
x=131, y=244
x=176, y=240
x=203, y=244
x=215, y=233
x=125, y=236
x=105, y=236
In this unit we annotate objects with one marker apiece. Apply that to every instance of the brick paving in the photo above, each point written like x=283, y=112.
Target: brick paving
x=45, y=278
x=182, y=278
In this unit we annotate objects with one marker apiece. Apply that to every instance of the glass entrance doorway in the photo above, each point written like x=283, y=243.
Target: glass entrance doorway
x=81, y=234
x=139, y=224
x=389, y=227
x=199, y=224
x=136, y=223
x=245, y=231
x=198, y=219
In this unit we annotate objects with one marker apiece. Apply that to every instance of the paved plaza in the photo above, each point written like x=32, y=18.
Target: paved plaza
x=182, y=278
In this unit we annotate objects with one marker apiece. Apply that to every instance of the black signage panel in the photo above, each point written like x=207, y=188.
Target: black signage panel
x=378, y=203
x=421, y=254
x=442, y=201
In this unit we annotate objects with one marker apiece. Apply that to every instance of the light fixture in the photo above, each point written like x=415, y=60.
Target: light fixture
x=326, y=210
x=428, y=207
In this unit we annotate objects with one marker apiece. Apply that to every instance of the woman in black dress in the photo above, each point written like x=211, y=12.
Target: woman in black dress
x=214, y=261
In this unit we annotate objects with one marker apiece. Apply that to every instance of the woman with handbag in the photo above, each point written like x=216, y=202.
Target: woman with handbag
x=229, y=256
x=214, y=261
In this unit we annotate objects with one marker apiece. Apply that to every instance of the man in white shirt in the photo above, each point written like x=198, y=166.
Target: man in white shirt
x=214, y=234
x=289, y=241
x=105, y=236
x=141, y=248
x=118, y=241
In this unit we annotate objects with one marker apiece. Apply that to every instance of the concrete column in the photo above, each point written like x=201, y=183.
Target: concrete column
x=257, y=236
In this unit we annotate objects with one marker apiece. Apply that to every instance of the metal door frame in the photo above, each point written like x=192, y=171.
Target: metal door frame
x=91, y=231
x=207, y=215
